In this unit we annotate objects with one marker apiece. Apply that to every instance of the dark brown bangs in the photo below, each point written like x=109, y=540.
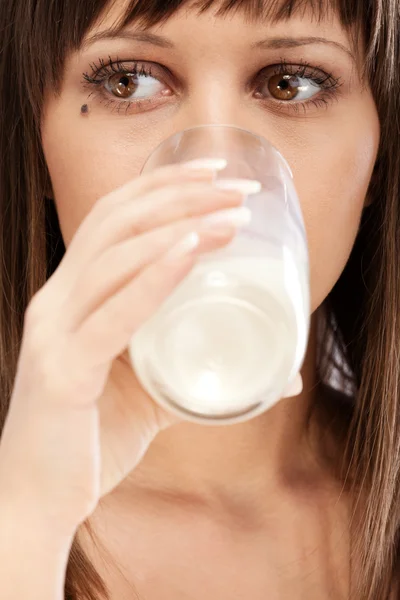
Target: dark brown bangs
x=149, y=14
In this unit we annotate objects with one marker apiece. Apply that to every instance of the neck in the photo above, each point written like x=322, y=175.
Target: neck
x=270, y=450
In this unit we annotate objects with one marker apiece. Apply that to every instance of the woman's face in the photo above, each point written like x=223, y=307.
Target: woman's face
x=300, y=89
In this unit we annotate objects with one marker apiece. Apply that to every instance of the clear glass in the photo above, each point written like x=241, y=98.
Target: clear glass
x=225, y=344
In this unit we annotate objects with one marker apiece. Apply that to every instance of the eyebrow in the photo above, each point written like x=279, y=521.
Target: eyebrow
x=290, y=42
x=267, y=44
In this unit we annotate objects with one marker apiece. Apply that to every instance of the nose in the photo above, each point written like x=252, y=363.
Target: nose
x=216, y=99
x=217, y=143
x=220, y=102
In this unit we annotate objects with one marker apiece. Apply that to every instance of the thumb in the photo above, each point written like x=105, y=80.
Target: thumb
x=295, y=388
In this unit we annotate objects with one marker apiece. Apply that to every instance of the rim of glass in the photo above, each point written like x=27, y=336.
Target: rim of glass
x=262, y=139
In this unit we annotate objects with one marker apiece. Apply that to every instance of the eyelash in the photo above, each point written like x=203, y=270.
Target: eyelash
x=102, y=70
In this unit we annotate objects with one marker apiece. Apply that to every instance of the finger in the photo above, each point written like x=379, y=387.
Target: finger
x=106, y=333
x=146, y=182
x=167, y=175
x=157, y=208
x=295, y=388
x=119, y=264
x=82, y=252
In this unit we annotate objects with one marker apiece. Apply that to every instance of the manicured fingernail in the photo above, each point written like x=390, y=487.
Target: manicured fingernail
x=213, y=164
x=236, y=217
x=184, y=247
x=295, y=388
x=246, y=186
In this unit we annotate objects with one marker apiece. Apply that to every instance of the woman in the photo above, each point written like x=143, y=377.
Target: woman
x=102, y=492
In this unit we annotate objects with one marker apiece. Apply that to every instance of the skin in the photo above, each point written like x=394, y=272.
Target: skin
x=220, y=486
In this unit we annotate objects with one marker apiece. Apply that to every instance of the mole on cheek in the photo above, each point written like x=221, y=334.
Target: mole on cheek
x=84, y=109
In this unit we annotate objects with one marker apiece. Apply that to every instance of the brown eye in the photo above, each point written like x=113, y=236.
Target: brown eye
x=284, y=87
x=122, y=85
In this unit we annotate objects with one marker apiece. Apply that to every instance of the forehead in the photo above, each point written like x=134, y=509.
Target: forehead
x=232, y=22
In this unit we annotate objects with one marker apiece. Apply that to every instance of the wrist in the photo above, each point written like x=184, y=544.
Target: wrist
x=33, y=557
x=23, y=520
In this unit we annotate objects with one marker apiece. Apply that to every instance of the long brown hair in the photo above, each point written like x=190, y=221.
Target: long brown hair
x=363, y=309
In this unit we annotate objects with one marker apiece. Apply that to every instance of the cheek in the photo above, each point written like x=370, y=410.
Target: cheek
x=88, y=159
x=332, y=175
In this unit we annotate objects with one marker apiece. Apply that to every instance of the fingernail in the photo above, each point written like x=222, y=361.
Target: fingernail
x=295, y=388
x=184, y=247
x=236, y=217
x=246, y=186
x=213, y=164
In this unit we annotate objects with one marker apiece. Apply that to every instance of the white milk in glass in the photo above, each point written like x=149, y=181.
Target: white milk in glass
x=230, y=336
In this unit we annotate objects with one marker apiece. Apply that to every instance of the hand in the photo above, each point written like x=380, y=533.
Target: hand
x=79, y=421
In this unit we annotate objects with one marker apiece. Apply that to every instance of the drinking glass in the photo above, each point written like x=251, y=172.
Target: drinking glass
x=232, y=336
